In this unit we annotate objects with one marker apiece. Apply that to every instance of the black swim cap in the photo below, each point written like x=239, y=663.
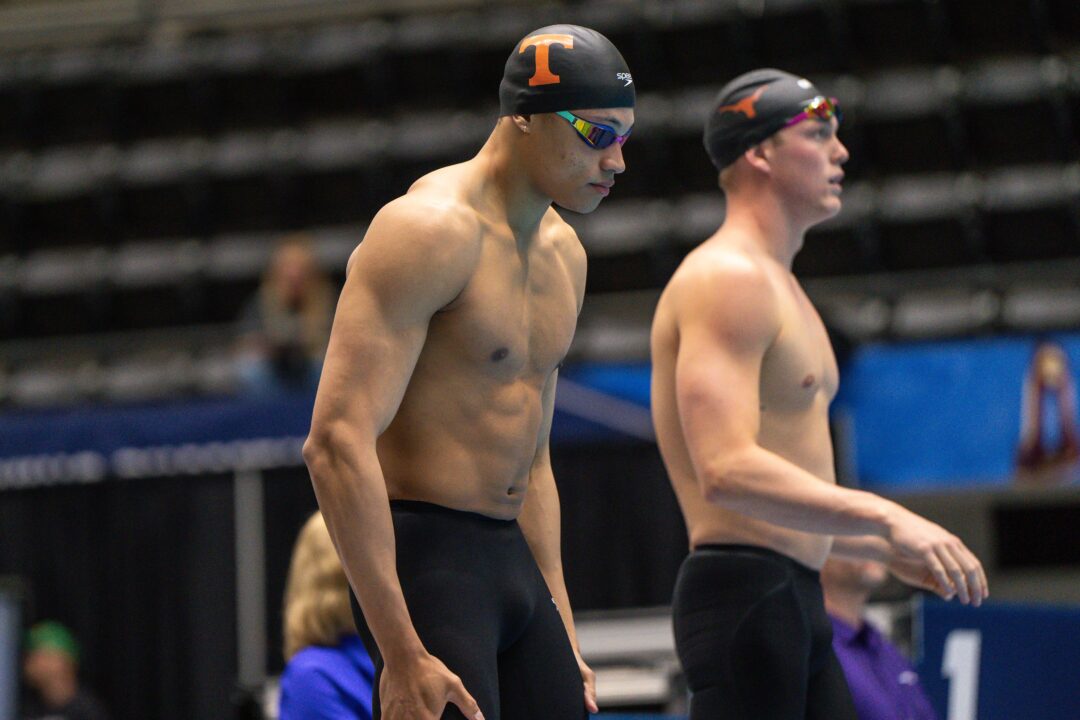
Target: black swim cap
x=752, y=107
x=564, y=67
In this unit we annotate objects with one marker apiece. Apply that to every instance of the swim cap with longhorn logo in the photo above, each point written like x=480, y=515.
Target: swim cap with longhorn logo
x=564, y=67
x=752, y=107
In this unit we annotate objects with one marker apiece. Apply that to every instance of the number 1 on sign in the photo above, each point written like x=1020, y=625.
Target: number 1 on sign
x=960, y=665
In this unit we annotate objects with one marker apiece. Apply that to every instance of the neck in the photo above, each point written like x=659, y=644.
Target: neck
x=506, y=192
x=847, y=605
x=760, y=216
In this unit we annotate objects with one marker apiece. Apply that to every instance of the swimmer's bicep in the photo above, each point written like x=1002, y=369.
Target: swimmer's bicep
x=717, y=393
x=399, y=277
x=368, y=362
x=722, y=342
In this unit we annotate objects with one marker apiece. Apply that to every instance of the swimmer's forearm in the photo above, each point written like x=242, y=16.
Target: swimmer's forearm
x=541, y=525
x=763, y=485
x=862, y=547
x=352, y=496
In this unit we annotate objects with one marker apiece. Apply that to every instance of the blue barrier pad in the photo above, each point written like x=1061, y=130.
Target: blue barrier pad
x=1000, y=661
x=90, y=443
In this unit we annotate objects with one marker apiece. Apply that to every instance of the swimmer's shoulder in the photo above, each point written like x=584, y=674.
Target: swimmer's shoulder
x=722, y=283
x=717, y=270
x=437, y=228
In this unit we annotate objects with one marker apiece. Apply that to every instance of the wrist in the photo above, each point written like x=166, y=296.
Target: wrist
x=888, y=517
x=403, y=651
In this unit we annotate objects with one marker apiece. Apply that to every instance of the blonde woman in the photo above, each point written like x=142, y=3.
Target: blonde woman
x=328, y=673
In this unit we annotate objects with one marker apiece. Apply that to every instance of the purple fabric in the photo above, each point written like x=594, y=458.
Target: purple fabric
x=883, y=683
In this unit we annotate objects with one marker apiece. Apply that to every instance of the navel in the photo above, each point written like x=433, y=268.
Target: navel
x=500, y=354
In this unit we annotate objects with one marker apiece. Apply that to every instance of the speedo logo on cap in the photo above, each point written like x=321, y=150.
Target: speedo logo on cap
x=543, y=43
x=625, y=77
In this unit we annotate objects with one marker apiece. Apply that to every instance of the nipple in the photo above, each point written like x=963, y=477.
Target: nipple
x=808, y=381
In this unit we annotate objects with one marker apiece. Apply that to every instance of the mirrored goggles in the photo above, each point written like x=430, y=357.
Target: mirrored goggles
x=820, y=108
x=594, y=134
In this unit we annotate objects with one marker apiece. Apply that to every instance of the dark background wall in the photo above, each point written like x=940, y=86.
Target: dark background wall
x=144, y=570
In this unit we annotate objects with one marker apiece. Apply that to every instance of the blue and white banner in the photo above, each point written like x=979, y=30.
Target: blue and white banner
x=188, y=437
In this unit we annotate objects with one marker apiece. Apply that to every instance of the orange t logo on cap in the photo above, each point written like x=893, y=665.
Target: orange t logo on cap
x=744, y=106
x=543, y=43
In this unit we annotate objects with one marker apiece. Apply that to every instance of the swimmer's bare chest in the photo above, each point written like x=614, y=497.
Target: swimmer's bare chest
x=514, y=321
x=472, y=412
x=799, y=371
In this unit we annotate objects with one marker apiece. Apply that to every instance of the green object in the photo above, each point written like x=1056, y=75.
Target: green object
x=51, y=635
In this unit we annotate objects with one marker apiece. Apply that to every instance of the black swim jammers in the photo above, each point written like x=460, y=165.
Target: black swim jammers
x=754, y=639
x=480, y=604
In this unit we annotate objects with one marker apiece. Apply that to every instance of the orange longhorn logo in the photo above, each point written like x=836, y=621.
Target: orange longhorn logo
x=744, y=106
x=543, y=43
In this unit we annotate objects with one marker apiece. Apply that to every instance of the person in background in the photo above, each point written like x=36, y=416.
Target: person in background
x=1049, y=450
x=286, y=326
x=883, y=683
x=328, y=673
x=51, y=671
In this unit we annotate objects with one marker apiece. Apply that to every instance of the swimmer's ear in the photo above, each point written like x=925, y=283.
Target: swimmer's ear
x=758, y=157
x=523, y=122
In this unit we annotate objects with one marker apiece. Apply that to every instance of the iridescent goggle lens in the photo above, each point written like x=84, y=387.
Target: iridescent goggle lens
x=594, y=134
x=820, y=108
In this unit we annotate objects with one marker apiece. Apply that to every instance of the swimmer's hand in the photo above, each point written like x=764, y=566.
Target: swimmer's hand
x=935, y=559
x=917, y=575
x=420, y=688
x=588, y=677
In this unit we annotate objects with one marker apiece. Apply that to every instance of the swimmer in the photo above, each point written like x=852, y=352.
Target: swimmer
x=428, y=447
x=743, y=374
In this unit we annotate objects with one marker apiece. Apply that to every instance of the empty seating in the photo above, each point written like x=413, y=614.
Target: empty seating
x=148, y=375
x=887, y=34
x=807, y=37
x=143, y=185
x=910, y=122
x=1017, y=112
x=56, y=383
x=1031, y=213
x=703, y=43
x=1041, y=307
x=926, y=222
x=946, y=312
x=1008, y=27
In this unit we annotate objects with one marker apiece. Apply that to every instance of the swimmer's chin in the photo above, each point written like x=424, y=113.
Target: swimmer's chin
x=581, y=207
